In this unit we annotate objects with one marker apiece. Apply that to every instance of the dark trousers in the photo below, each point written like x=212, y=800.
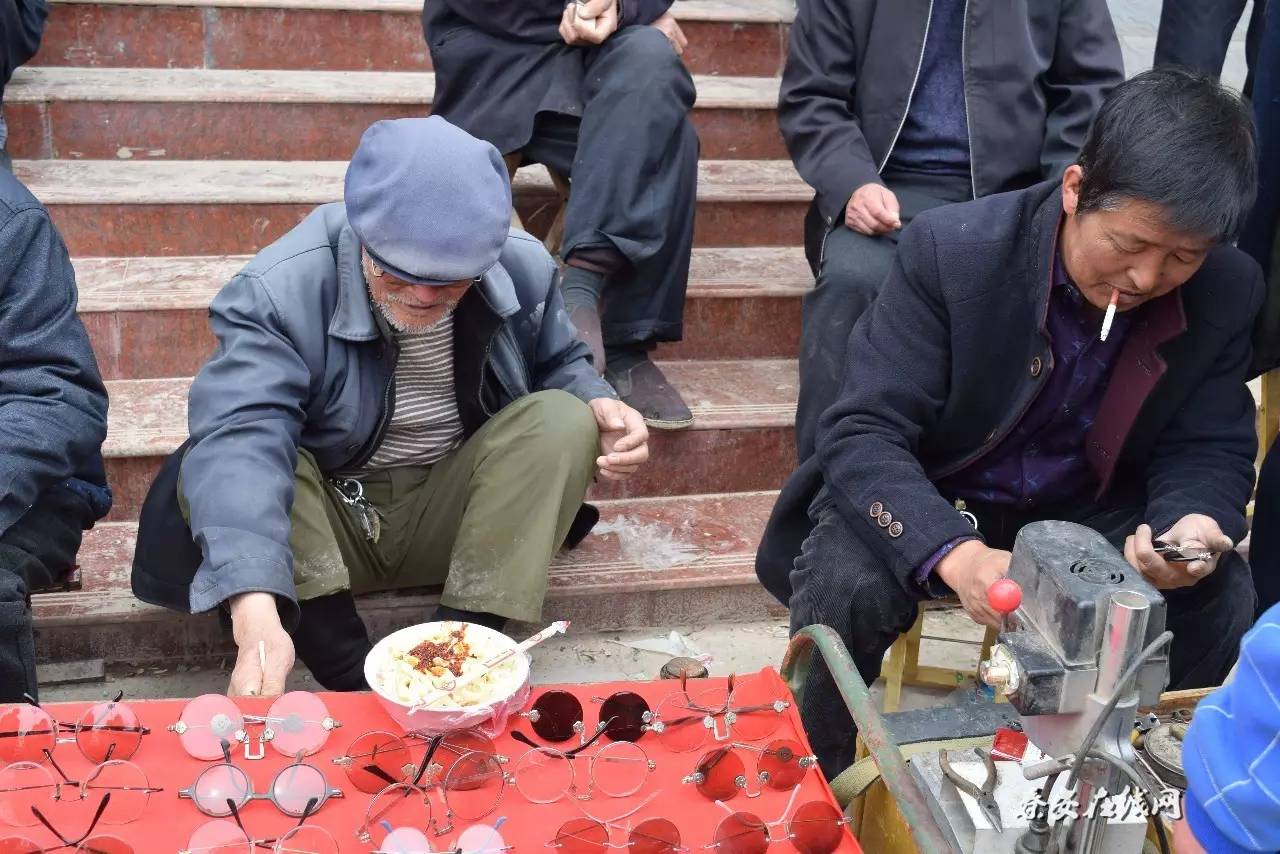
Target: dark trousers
x=632, y=162
x=1264, y=544
x=850, y=269
x=840, y=582
x=1195, y=34
x=37, y=551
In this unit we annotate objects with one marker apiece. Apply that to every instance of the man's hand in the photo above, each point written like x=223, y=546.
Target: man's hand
x=624, y=440
x=872, y=210
x=969, y=569
x=255, y=624
x=589, y=22
x=1193, y=532
x=667, y=24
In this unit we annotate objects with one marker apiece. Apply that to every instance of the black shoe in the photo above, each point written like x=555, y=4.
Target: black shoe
x=645, y=389
x=480, y=618
x=332, y=641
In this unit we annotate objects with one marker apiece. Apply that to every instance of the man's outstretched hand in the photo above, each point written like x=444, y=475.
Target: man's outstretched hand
x=255, y=625
x=969, y=569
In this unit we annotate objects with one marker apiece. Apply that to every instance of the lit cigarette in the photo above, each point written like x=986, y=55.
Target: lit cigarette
x=1111, y=314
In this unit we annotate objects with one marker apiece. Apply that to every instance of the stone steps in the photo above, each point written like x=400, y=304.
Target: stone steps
x=639, y=568
x=742, y=438
x=743, y=37
x=197, y=114
x=208, y=207
x=147, y=317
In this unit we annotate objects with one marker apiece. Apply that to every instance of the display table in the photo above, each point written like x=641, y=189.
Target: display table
x=167, y=823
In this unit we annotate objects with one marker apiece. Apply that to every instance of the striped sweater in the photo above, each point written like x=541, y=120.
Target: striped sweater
x=425, y=425
x=1232, y=751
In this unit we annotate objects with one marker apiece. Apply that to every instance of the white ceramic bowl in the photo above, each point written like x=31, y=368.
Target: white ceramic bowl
x=444, y=717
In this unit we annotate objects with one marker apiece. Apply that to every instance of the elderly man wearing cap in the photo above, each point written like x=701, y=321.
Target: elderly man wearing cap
x=397, y=399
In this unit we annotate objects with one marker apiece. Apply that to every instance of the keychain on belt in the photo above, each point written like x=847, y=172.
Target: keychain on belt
x=351, y=492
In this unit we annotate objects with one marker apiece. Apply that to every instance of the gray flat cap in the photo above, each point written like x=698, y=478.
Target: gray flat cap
x=428, y=201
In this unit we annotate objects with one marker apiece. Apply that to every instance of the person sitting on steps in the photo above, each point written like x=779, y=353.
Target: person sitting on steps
x=397, y=399
x=596, y=91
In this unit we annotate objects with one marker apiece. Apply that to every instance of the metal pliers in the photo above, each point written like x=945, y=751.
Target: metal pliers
x=982, y=794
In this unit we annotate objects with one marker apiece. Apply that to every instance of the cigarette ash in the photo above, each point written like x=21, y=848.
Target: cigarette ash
x=649, y=544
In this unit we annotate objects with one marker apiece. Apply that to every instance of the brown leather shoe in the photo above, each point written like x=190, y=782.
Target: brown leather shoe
x=587, y=322
x=646, y=389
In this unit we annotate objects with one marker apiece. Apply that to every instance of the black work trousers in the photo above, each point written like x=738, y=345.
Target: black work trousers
x=632, y=164
x=850, y=268
x=37, y=551
x=839, y=581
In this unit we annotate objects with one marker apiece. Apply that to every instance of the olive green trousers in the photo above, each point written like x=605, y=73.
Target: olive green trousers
x=485, y=521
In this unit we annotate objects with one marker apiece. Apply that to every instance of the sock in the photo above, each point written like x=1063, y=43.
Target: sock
x=581, y=287
x=622, y=359
x=481, y=618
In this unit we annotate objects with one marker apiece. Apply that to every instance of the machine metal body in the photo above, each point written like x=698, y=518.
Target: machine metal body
x=1085, y=614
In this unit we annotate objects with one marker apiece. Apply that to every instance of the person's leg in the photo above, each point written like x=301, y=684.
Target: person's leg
x=851, y=268
x=1264, y=542
x=1195, y=34
x=839, y=582
x=631, y=209
x=489, y=518
x=36, y=551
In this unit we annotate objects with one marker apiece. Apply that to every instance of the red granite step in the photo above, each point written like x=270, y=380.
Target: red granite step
x=198, y=114
x=638, y=568
x=182, y=207
x=725, y=36
x=742, y=438
x=147, y=317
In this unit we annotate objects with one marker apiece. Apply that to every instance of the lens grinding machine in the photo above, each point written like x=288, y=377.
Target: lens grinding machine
x=1076, y=657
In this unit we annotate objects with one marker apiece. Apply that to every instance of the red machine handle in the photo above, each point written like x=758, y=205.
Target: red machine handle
x=1004, y=596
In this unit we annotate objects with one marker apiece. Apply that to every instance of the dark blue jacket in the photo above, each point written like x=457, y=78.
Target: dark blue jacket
x=53, y=406
x=953, y=351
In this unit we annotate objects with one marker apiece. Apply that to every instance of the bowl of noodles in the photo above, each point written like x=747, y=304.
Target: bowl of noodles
x=445, y=663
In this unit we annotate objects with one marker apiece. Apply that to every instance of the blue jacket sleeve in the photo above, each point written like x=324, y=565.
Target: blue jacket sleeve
x=238, y=476
x=1232, y=751
x=53, y=405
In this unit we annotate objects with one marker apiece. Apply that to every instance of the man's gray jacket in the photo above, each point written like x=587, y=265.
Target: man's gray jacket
x=303, y=359
x=1035, y=72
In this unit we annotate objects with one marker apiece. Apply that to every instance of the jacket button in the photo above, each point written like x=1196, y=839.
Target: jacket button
x=1036, y=366
x=895, y=530
x=876, y=509
x=884, y=519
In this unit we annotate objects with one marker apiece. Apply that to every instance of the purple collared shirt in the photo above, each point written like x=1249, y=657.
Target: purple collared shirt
x=1042, y=460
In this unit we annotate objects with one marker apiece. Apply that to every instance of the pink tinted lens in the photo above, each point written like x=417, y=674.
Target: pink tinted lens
x=377, y=760
x=297, y=786
x=742, y=833
x=816, y=828
x=218, y=784
x=654, y=836
x=24, y=785
x=26, y=731
x=105, y=845
x=407, y=840
x=297, y=723
x=219, y=837
x=108, y=731
x=18, y=845
x=781, y=761
x=308, y=839
x=206, y=722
